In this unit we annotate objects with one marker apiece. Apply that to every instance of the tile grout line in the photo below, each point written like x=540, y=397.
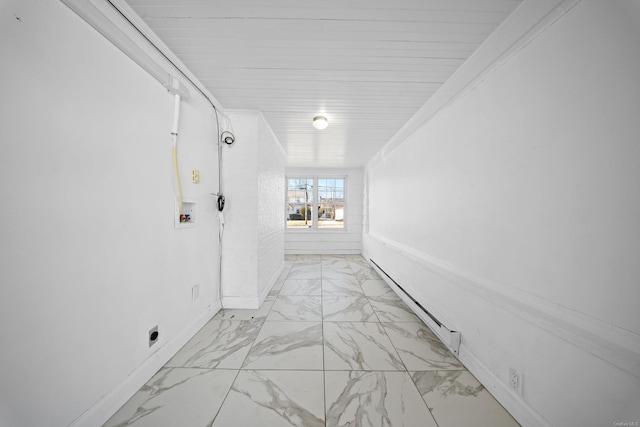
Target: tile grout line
x=407, y=372
x=226, y=396
x=349, y=370
x=241, y=364
x=324, y=367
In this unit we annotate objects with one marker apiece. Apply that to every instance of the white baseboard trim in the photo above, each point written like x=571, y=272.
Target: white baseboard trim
x=252, y=303
x=322, y=251
x=104, y=408
x=271, y=283
x=610, y=343
x=440, y=330
x=244, y=303
x=513, y=403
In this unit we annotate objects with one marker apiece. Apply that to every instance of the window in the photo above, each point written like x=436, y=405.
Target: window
x=330, y=203
x=300, y=196
x=315, y=203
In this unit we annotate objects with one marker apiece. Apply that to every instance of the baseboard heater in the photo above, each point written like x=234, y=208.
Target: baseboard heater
x=452, y=338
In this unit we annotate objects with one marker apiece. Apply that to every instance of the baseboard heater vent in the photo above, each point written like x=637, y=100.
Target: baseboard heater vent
x=453, y=337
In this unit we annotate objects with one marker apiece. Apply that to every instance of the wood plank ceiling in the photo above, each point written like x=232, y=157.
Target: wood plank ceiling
x=367, y=65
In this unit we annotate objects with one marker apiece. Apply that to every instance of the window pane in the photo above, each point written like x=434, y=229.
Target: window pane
x=331, y=203
x=299, y=202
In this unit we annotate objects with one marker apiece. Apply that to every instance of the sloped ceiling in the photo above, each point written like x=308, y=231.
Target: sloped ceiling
x=367, y=65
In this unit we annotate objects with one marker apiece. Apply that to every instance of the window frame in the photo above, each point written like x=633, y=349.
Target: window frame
x=314, y=210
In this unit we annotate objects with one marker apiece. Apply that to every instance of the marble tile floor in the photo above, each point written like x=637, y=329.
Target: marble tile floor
x=332, y=345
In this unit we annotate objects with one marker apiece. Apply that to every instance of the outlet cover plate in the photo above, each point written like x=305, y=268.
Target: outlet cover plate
x=515, y=380
x=153, y=335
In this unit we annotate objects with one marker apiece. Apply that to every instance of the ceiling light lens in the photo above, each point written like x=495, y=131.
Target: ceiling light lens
x=320, y=122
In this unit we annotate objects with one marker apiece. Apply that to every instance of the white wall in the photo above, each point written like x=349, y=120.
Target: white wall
x=240, y=257
x=89, y=255
x=346, y=241
x=513, y=216
x=253, y=184
x=271, y=193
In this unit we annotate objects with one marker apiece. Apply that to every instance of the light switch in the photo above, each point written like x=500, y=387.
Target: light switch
x=195, y=176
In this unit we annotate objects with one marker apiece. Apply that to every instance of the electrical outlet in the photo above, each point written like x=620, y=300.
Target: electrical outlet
x=195, y=176
x=515, y=380
x=153, y=335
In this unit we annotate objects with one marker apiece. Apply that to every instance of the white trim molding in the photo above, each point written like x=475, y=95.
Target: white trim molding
x=252, y=303
x=528, y=21
x=512, y=402
x=439, y=288
x=103, y=409
x=117, y=22
x=242, y=303
x=610, y=343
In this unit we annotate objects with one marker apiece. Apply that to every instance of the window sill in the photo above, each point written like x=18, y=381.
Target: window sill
x=315, y=230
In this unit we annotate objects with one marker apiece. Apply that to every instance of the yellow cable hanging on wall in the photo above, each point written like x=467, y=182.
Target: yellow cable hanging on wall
x=174, y=149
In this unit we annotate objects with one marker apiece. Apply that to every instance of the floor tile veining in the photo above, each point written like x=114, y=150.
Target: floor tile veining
x=332, y=345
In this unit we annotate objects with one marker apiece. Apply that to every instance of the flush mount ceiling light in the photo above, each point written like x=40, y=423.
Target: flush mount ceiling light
x=320, y=122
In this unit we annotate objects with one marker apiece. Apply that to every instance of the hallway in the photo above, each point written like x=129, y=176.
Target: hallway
x=331, y=345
